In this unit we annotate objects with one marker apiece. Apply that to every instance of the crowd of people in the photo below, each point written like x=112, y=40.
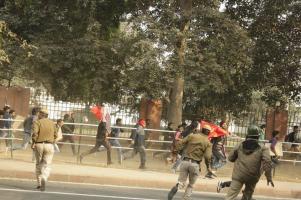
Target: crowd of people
x=185, y=147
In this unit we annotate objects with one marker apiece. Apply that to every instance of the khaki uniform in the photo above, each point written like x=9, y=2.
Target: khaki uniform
x=251, y=159
x=44, y=135
x=195, y=146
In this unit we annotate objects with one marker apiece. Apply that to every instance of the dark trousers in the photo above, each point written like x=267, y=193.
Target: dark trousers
x=226, y=184
x=69, y=138
x=142, y=153
x=218, y=159
x=106, y=144
x=165, y=146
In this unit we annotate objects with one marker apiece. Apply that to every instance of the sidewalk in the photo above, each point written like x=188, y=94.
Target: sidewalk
x=111, y=176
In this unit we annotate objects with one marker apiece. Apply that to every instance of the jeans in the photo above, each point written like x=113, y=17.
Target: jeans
x=142, y=153
x=26, y=141
x=5, y=134
x=218, y=159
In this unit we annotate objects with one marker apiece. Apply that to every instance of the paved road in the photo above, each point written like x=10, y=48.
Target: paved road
x=23, y=190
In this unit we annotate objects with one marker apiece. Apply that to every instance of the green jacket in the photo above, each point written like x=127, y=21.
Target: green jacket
x=251, y=159
x=195, y=146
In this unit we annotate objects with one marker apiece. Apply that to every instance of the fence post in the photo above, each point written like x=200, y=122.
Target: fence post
x=11, y=144
x=79, y=141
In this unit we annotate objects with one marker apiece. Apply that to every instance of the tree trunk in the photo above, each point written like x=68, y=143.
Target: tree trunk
x=175, y=106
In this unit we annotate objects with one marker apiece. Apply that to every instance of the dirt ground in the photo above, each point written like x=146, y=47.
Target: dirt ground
x=285, y=171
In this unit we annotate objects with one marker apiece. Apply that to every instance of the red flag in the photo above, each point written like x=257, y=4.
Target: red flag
x=216, y=131
x=98, y=112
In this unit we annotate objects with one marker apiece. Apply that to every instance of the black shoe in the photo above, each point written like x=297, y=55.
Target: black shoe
x=43, y=185
x=172, y=193
x=38, y=187
x=142, y=167
x=210, y=175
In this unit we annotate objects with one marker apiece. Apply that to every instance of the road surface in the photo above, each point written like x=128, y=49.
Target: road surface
x=11, y=189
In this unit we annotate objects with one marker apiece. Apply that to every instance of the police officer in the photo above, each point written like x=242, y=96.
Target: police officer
x=195, y=146
x=250, y=158
x=44, y=135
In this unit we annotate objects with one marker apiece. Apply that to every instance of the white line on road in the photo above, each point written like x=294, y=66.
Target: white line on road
x=73, y=194
x=147, y=188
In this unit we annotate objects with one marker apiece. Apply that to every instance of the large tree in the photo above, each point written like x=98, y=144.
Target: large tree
x=82, y=54
x=199, y=59
x=275, y=28
x=206, y=54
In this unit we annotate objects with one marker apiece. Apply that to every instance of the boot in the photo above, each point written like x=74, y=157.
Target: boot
x=142, y=166
x=210, y=175
x=43, y=185
x=172, y=192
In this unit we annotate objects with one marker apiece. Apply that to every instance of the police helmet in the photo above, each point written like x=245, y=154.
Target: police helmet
x=253, y=131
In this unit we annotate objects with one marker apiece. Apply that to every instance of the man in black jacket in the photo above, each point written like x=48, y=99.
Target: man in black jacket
x=101, y=139
x=67, y=130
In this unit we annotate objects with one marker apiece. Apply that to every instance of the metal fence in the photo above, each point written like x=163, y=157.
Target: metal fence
x=289, y=156
x=57, y=109
x=86, y=123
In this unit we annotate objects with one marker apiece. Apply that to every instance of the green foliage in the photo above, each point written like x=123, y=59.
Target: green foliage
x=13, y=53
x=275, y=28
x=217, y=61
x=218, y=66
x=95, y=50
x=75, y=56
x=143, y=71
x=78, y=70
x=81, y=55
